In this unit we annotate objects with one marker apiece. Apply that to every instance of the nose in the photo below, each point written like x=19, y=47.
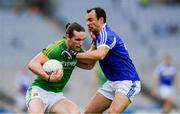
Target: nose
x=88, y=23
x=81, y=43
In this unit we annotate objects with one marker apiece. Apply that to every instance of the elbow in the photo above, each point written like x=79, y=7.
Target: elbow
x=30, y=66
x=91, y=66
x=87, y=67
x=100, y=57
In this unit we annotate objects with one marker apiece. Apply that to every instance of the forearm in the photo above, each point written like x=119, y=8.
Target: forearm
x=97, y=54
x=89, y=55
x=86, y=64
x=37, y=69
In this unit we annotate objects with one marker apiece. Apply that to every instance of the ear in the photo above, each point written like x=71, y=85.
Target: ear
x=67, y=37
x=101, y=19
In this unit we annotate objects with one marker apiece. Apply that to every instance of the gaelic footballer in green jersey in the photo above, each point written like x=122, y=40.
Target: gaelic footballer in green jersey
x=53, y=51
x=46, y=92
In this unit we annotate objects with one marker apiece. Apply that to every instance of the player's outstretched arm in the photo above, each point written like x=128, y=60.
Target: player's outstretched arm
x=85, y=63
x=97, y=54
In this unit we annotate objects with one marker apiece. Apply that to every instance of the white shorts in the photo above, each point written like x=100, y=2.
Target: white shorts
x=128, y=88
x=166, y=92
x=48, y=98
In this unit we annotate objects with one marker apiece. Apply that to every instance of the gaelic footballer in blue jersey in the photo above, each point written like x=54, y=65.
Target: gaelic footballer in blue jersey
x=163, y=83
x=123, y=81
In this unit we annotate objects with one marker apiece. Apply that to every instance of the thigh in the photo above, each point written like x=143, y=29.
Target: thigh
x=129, y=88
x=98, y=104
x=65, y=106
x=34, y=100
x=36, y=106
x=119, y=103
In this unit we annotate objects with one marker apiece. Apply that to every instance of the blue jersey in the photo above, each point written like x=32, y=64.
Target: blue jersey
x=166, y=74
x=116, y=65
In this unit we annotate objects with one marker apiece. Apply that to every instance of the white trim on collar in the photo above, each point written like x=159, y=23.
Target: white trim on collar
x=104, y=25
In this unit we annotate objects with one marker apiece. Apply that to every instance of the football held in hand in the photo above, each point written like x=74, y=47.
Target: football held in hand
x=52, y=65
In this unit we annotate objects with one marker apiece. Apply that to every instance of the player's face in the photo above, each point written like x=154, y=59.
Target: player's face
x=76, y=42
x=167, y=59
x=93, y=23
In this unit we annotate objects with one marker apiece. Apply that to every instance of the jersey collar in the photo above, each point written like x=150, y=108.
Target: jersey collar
x=104, y=25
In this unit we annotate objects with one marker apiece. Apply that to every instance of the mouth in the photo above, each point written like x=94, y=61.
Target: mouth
x=90, y=28
x=78, y=48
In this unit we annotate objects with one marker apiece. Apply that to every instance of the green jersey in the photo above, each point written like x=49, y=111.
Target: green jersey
x=53, y=51
x=101, y=77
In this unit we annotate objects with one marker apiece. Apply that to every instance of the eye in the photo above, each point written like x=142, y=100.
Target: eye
x=90, y=19
x=78, y=39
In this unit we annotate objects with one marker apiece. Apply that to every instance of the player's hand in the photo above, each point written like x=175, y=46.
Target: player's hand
x=93, y=36
x=69, y=53
x=56, y=76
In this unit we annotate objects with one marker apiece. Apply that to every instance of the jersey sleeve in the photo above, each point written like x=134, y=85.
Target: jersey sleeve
x=106, y=39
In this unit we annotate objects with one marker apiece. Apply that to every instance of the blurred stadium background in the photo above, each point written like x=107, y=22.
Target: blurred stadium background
x=149, y=28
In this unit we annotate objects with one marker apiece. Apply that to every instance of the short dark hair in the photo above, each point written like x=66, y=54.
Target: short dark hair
x=99, y=12
x=70, y=27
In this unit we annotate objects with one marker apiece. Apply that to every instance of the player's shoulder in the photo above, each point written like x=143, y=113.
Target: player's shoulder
x=54, y=46
x=59, y=41
x=159, y=66
x=111, y=33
